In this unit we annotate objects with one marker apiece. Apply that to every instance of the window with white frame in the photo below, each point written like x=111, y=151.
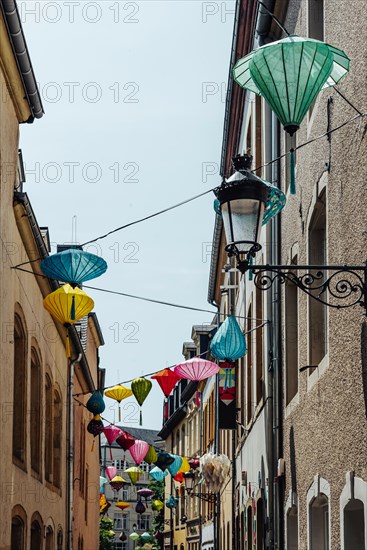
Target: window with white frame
x=143, y=522
x=319, y=522
x=353, y=513
x=144, y=466
x=117, y=520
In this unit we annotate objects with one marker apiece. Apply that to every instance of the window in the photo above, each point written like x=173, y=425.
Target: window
x=60, y=539
x=249, y=363
x=19, y=391
x=17, y=534
x=117, y=520
x=317, y=252
x=48, y=429
x=291, y=338
x=36, y=536
x=35, y=412
x=144, y=466
x=316, y=19
x=260, y=520
x=143, y=522
x=354, y=526
x=118, y=545
x=57, y=423
x=292, y=528
x=319, y=523
x=259, y=346
x=249, y=528
x=49, y=538
x=258, y=140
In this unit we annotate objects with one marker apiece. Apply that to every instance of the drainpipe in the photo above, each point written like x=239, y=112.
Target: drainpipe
x=70, y=453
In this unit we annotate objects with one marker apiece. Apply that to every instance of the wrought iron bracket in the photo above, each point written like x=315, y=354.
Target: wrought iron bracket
x=208, y=497
x=337, y=286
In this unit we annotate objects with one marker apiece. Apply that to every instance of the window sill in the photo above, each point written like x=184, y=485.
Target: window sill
x=20, y=464
x=318, y=372
x=292, y=405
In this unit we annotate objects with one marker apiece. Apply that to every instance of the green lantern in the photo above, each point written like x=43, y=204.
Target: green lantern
x=290, y=73
x=151, y=455
x=141, y=388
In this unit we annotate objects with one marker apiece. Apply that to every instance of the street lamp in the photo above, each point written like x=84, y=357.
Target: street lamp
x=242, y=199
x=189, y=480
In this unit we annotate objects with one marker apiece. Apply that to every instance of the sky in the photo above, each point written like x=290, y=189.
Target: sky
x=134, y=99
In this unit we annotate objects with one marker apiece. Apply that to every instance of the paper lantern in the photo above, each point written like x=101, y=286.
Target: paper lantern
x=196, y=369
x=179, y=477
x=140, y=508
x=139, y=450
x=164, y=460
x=95, y=403
x=134, y=536
x=111, y=432
x=151, y=455
x=122, y=505
x=167, y=380
x=141, y=388
x=158, y=474
x=227, y=383
x=102, y=482
x=171, y=502
x=95, y=427
x=73, y=266
x=158, y=505
x=68, y=305
x=194, y=463
x=111, y=472
x=125, y=440
x=290, y=73
x=215, y=470
x=118, y=393
x=134, y=474
x=228, y=342
x=117, y=483
x=145, y=536
x=145, y=493
x=123, y=536
x=185, y=466
x=174, y=467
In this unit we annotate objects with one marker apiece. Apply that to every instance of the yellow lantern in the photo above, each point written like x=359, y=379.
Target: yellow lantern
x=185, y=466
x=68, y=305
x=118, y=393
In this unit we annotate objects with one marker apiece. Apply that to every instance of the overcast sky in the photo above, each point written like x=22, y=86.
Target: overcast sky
x=134, y=97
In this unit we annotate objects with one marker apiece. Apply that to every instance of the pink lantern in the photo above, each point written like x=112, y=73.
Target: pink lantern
x=196, y=369
x=111, y=432
x=111, y=472
x=139, y=450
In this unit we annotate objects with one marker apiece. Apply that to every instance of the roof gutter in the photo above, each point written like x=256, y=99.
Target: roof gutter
x=17, y=39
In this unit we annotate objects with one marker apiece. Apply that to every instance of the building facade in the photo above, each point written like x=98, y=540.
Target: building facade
x=129, y=520
x=38, y=444
x=300, y=447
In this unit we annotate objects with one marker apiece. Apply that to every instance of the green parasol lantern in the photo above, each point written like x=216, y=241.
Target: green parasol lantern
x=141, y=388
x=290, y=73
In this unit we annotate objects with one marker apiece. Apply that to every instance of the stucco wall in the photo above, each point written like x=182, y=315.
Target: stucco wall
x=325, y=430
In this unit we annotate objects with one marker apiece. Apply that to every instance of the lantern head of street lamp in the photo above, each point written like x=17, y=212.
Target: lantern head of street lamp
x=242, y=199
x=189, y=479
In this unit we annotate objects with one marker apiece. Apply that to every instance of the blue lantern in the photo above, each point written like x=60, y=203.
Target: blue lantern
x=95, y=403
x=157, y=473
x=229, y=343
x=73, y=266
x=171, y=502
x=176, y=465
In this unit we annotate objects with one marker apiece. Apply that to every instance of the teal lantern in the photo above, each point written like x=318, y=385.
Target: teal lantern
x=145, y=536
x=171, y=502
x=95, y=403
x=290, y=73
x=73, y=266
x=175, y=466
x=164, y=460
x=229, y=342
x=158, y=474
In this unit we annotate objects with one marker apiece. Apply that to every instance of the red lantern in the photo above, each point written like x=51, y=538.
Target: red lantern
x=167, y=380
x=125, y=440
